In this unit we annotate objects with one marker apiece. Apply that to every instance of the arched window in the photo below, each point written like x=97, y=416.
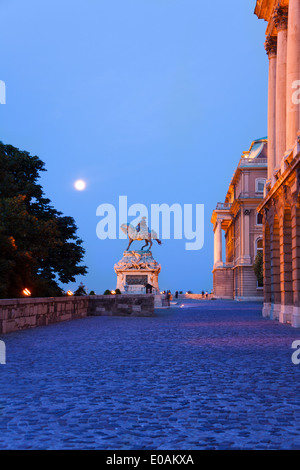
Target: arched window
x=259, y=245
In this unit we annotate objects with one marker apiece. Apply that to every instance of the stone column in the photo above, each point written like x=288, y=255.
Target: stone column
x=271, y=48
x=218, y=244
x=267, y=269
x=275, y=270
x=293, y=74
x=246, y=236
x=280, y=20
x=286, y=281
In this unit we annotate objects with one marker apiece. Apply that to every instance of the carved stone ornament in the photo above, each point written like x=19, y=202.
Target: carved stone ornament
x=298, y=175
x=135, y=270
x=271, y=46
x=298, y=184
x=247, y=212
x=137, y=261
x=281, y=18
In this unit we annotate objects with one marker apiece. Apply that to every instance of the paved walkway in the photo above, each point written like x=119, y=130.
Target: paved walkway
x=215, y=375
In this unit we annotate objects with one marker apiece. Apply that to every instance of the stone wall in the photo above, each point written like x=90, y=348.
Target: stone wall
x=195, y=297
x=19, y=314
x=122, y=305
x=246, y=284
x=223, y=283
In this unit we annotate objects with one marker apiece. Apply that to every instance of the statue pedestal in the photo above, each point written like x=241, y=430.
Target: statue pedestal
x=137, y=273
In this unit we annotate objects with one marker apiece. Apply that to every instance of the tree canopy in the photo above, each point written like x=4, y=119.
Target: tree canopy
x=38, y=245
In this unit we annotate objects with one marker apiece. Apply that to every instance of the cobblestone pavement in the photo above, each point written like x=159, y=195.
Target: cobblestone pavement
x=210, y=375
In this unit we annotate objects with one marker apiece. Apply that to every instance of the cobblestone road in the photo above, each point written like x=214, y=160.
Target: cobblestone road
x=215, y=375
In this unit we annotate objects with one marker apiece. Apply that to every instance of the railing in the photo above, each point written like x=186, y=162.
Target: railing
x=221, y=206
x=253, y=162
x=250, y=195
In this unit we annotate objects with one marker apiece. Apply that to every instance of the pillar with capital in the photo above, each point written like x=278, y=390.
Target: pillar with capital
x=293, y=74
x=218, y=261
x=245, y=236
x=271, y=48
x=281, y=20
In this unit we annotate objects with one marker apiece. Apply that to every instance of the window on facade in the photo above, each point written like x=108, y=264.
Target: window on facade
x=259, y=244
x=259, y=219
x=260, y=185
x=259, y=248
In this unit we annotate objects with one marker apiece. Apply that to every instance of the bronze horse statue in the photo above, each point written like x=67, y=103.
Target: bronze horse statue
x=140, y=233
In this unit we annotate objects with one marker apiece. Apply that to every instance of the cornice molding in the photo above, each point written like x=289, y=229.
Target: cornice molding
x=265, y=9
x=273, y=193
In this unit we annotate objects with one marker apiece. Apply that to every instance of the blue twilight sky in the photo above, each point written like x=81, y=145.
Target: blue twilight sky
x=152, y=99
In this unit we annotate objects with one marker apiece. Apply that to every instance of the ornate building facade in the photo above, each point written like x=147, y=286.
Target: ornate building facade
x=237, y=217
x=280, y=207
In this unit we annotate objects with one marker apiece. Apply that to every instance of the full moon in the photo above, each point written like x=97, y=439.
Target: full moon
x=80, y=185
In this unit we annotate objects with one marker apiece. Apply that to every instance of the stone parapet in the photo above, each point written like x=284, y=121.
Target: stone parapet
x=122, y=305
x=197, y=296
x=20, y=314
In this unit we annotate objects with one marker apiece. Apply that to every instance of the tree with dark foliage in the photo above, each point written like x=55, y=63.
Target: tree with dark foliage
x=258, y=267
x=38, y=245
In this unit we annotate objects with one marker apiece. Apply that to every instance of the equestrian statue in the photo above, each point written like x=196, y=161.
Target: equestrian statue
x=140, y=232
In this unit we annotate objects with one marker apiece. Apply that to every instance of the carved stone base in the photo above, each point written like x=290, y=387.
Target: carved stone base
x=135, y=271
x=296, y=317
x=275, y=311
x=266, y=310
x=285, y=314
